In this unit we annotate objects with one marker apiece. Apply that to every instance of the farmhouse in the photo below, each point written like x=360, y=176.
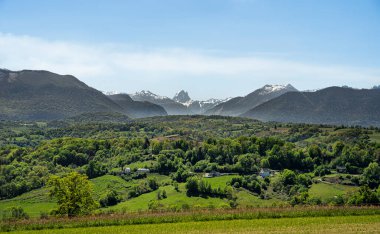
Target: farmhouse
x=143, y=170
x=212, y=174
x=127, y=170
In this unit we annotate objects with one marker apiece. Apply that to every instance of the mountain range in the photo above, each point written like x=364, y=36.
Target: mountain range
x=333, y=105
x=239, y=105
x=43, y=95
x=180, y=104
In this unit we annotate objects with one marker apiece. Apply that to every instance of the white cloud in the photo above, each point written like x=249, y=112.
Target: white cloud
x=106, y=66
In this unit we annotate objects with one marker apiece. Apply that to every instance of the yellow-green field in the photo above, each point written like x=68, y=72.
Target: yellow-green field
x=347, y=224
x=327, y=191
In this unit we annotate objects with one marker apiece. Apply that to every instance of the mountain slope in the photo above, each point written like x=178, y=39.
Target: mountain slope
x=239, y=105
x=43, y=95
x=332, y=105
x=137, y=109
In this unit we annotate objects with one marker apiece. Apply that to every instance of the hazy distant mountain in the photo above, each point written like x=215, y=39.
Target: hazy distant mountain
x=196, y=107
x=137, y=109
x=181, y=104
x=333, y=105
x=172, y=107
x=182, y=97
x=240, y=105
x=43, y=95
x=376, y=87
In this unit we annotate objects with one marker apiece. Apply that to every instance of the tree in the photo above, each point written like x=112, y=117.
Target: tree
x=364, y=196
x=74, y=194
x=288, y=177
x=111, y=198
x=192, y=186
x=371, y=175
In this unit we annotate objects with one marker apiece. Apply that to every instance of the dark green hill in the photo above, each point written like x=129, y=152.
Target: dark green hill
x=137, y=109
x=98, y=117
x=43, y=95
x=332, y=105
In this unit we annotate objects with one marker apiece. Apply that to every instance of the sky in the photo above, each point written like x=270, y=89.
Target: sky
x=210, y=48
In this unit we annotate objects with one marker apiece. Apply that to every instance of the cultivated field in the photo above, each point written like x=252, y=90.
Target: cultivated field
x=348, y=224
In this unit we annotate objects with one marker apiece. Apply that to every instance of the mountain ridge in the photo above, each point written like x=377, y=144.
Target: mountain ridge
x=240, y=105
x=332, y=105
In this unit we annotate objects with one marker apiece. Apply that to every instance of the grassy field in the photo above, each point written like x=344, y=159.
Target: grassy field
x=375, y=137
x=37, y=201
x=33, y=202
x=339, y=224
x=200, y=215
x=328, y=191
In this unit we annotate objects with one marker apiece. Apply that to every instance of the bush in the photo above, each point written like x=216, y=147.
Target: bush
x=15, y=213
x=44, y=215
x=111, y=198
x=365, y=196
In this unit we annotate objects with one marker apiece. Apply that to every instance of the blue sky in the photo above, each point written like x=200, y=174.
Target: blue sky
x=212, y=48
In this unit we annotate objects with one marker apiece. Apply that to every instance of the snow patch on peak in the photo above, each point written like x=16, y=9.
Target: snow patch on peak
x=111, y=92
x=147, y=93
x=275, y=88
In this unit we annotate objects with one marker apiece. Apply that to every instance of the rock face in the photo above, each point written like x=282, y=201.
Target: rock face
x=239, y=105
x=333, y=105
x=181, y=97
x=43, y=95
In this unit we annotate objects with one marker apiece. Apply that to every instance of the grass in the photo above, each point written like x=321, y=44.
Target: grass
x=220, y=181
x=33, y=202
x=348, y=224
x=329, y=191
x=247, y=199
x=37, y=201
x=175, y=199
x=110, y=182
x=375, y=137
x=291, y=216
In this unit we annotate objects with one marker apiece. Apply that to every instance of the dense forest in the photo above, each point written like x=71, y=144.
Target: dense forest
x=183, y=148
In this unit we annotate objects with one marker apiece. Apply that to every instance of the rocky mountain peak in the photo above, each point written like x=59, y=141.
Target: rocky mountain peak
x=182, y=97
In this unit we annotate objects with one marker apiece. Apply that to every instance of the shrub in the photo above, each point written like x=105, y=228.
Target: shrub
x=111, y=198
x=15, y=213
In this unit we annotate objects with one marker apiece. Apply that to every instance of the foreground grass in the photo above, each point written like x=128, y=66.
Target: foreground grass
x=157, y=218
x=346, y=224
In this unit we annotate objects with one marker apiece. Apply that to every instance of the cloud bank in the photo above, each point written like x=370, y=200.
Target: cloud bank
x=123, y=68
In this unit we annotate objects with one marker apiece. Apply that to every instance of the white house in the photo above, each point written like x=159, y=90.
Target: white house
x=143, y=170
x=127, y=170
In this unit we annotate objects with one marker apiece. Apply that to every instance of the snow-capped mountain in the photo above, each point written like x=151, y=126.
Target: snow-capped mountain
x=172, y=107
x=240, y=105
x=146, y=94
x=267, y=89
x=181, y=104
